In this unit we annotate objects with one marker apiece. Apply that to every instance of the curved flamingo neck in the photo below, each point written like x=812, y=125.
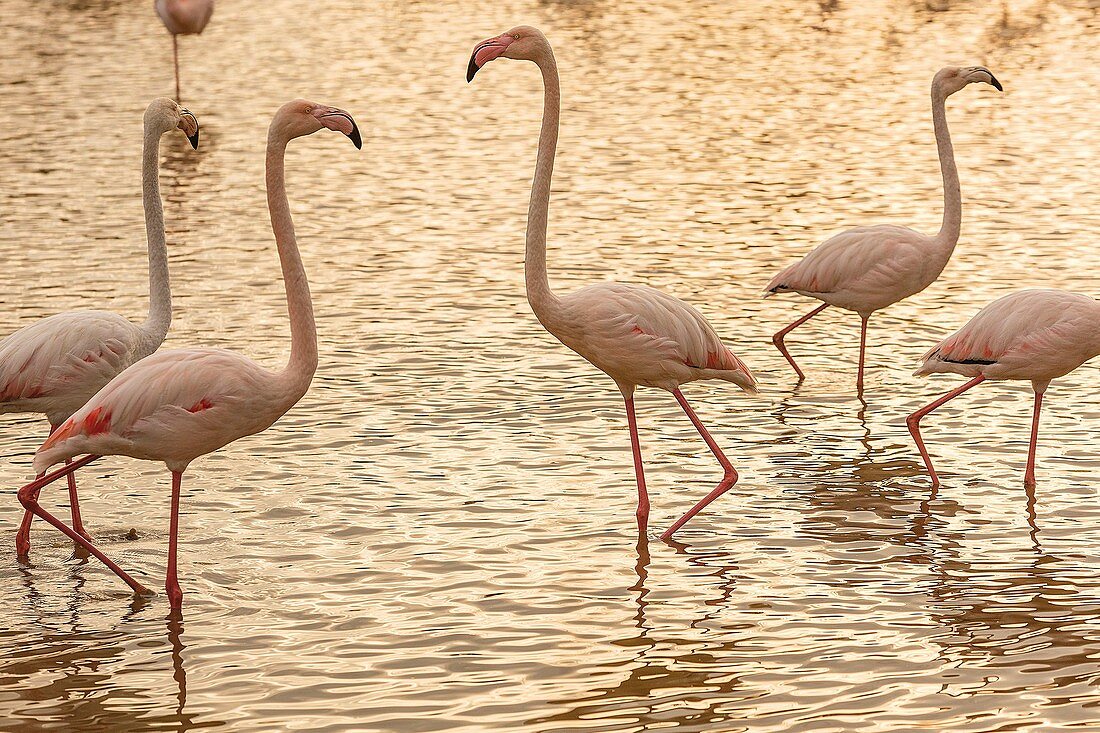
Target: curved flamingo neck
x=156, y=325
x=539, y=295
x=948, y=235
x=303, y=329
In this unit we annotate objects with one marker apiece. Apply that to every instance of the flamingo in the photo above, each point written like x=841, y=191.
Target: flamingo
x=177, y=405
x=636, y=335
x=1033, y=334
x=183, y=17
x=55, y=365
x=868, y=268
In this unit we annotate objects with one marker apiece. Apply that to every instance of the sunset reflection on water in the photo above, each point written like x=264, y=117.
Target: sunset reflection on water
x=440, y=536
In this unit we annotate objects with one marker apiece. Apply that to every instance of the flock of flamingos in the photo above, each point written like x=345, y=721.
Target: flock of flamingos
x=106, y=390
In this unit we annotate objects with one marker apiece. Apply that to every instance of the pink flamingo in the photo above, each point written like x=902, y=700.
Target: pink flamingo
x=55, y=365
x=177, y=405
x=1033, y=334
x=636, y=335
x=183, y=17
x=868, y=268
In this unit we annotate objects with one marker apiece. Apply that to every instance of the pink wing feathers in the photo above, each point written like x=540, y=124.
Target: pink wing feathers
x=1032, y=332
x=877, y=258
x=185, y=395
x=662, y=322
x=66, y=357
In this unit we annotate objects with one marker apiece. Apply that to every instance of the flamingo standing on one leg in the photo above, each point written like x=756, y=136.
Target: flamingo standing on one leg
x=868, y=268
x=177, y=405
x=55, y=365
x=183, y=17
x=1033, y=334
x=638, y=336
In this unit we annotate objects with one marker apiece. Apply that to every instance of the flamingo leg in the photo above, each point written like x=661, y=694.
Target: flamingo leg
x=913, y=421
x=862, y=351
x=1029, y=474
x=28, y=497
x=643, y=496
x=74, y=508
x=171, y=581
x=176, y=64
x=23, y=536
x=777, y=339
x=728, y=480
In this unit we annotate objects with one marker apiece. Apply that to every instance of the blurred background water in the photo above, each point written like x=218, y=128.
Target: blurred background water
x=440, y=536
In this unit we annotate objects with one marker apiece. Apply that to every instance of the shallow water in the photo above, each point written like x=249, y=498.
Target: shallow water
x=440, y=536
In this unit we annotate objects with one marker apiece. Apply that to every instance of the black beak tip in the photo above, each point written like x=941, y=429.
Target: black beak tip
x=356, y=139
x=194, y=140
x=471, y=70
x=996, y=83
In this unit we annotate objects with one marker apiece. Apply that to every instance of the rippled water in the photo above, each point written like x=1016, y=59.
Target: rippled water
x=441, y=535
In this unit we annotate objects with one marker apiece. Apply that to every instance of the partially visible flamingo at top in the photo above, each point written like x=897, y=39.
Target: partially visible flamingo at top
x=1038, y=335
x=55, y=365
x=177, y=405
x=638, y=336
x=183, y=17
x=868, y=268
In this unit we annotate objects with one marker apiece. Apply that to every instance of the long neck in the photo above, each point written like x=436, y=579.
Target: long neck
x=156, y=326
x=948, y=235
x=303, y=329
x=541, y=298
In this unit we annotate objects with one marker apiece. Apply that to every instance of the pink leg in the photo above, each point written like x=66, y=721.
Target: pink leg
x=728, y=480
x=176, y=64
x=913, y=421
x=777, y=339
x=171, y=582
x=643, y=496
x=74, y=504
x=23, y=536
x=862, y=350
x=1029, y=475
x=28, y=497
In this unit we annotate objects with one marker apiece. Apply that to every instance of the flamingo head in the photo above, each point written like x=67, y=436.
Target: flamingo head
x=951, y=79
x=522, y=42
x=164, y=114
x=299, y=118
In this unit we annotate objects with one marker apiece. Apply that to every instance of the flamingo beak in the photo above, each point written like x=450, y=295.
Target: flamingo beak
x=190, y=126
x=995, y=83
x=341, y=121
x=485, y=52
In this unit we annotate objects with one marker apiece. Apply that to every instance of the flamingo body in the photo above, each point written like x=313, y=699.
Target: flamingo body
x=640, y=336
x=184, y=17
x=173, y=406
x=1038, y=335
x=177, y=405
x=53, y=366
x=865, y=269
x=636, y=335
x=869, y=268
x=1033, y=334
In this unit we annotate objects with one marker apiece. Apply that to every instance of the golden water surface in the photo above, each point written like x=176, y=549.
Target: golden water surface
x=440, y=536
